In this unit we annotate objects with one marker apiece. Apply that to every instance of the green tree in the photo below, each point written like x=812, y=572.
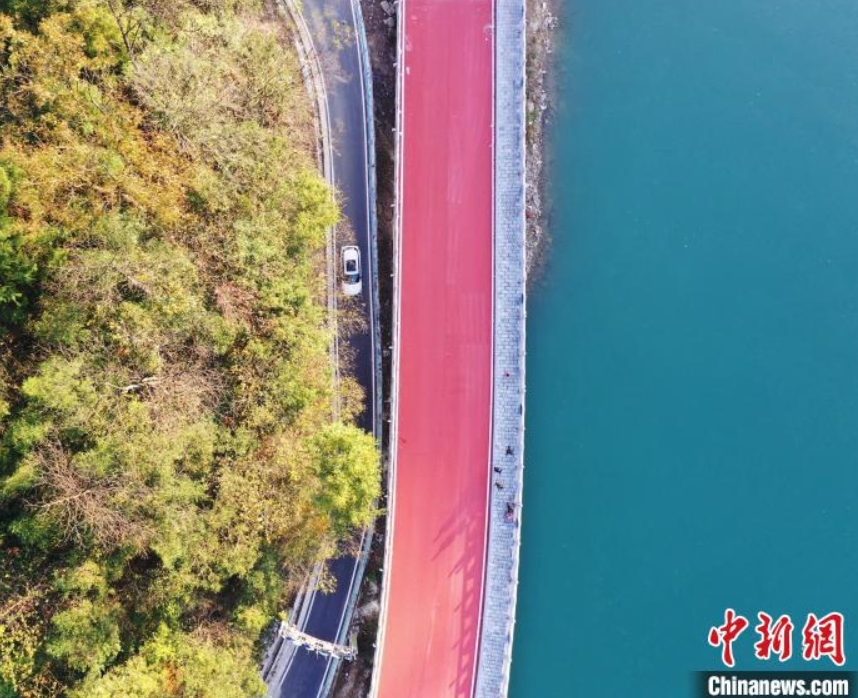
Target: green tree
x=16, y=276
x=345, y=462
x=169, y=469
x=178, y=665
x=85, y=636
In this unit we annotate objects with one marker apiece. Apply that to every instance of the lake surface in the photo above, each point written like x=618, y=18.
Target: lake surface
x=692, y=406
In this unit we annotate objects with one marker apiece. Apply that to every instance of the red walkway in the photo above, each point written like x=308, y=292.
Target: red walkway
x=435, y=577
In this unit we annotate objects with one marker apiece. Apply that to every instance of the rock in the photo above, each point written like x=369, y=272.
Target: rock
x=387, y=7
x=369, y=610
x=390, y=22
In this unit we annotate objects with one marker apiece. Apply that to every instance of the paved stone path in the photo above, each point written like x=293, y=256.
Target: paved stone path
x=509, y=352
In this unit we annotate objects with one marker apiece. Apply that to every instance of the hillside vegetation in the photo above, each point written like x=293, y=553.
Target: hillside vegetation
x=169, y=464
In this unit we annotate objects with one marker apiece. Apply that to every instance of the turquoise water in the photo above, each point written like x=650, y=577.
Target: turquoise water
x=692, y=396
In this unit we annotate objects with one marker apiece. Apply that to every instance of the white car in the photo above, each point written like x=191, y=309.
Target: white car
x=351, y=271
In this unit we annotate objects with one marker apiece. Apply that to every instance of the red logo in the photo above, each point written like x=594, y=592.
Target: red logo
x=775, y=638
x=823, y=637
x=726, y=634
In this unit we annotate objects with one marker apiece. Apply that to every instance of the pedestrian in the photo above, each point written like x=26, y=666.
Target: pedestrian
x=499, y=485
x=509, y=450
x=498, y=470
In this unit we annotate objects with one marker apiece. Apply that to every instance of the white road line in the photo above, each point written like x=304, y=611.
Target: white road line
x=369, y=231
x=371, y=311
x=320, y=92
x=371, y=308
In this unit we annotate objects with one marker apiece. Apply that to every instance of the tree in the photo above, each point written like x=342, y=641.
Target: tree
x=345, y=462
x=169, y=469
x=210, y=664
x=85, y=636
x=17, y=273
x=16, y=276
x=30, y=13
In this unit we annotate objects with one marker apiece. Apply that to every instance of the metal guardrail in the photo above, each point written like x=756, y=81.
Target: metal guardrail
x=394, y=372
x=369, y=123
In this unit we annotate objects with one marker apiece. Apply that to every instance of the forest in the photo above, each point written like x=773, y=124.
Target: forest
x=170, y=463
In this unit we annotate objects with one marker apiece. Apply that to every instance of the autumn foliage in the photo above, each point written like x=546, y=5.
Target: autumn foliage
x=169, y=463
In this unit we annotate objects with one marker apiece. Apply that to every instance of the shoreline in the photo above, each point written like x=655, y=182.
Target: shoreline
x=542, y=23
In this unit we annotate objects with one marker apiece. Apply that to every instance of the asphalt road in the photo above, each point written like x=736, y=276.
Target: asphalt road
x=443, y=355
x=331, y=24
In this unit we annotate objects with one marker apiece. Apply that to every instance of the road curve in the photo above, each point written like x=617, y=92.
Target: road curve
x=443, y=353
x=333, y=26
